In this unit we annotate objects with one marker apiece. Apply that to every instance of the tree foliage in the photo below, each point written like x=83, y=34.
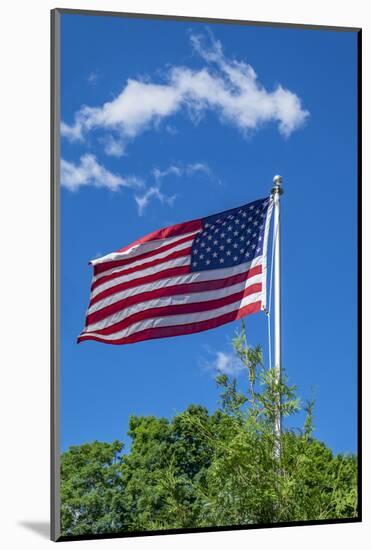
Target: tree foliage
x=204, y=470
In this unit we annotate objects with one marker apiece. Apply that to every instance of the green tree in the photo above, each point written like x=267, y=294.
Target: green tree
x=245, y=483
x=203, y=470
x=166, y=461
x=90, y=484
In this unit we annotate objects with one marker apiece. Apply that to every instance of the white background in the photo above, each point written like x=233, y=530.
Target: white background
x=24, y=271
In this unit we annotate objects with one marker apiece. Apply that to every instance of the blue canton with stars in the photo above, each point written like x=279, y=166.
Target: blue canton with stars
x=230, y=238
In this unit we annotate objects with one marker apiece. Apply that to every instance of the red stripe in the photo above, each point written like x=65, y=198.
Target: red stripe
x=100, y=268
x=186, y=288
x=179, y=309
x=153, y=263
x=179, y=330
x=165, y=274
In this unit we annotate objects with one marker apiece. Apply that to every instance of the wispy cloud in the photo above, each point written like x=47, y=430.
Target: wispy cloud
x=172, y=170
x=156, y=191
x=114, y=147
x=93, y=78
x=89, y=172
x=153, y=192
x=223, y=363
x=179, y=170
x=227, y=87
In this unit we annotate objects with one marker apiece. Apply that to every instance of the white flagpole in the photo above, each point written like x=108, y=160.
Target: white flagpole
x=276, y=192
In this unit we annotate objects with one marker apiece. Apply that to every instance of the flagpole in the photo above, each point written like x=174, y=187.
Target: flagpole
x=277, y=190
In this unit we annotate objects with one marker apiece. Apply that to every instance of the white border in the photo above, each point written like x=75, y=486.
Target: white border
x=265, y=252
x=24, y=219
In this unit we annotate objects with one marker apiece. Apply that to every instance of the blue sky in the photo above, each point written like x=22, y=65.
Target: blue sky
x=168, y=121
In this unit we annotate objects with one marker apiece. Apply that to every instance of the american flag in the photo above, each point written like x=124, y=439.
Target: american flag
x=182, y=279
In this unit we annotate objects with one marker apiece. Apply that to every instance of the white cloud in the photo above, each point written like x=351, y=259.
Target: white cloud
x=93, y=77
x=198, y=167
x=113, y=147
x=155, y=191
x=172, y=170
x=172, y=130
x=224, y=363
x=228, y=87
x=179, y=170
x=151, y=193
x=90, y=172
x=74, y=132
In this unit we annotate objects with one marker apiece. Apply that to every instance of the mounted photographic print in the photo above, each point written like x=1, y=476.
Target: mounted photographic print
x=205, y=268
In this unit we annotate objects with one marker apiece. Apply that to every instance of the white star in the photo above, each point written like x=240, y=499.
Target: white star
x=242, y=250
x=235, y=258
x=224, y=223
x=207, y=262
x=235, y=233
x=203, y=244
x=254, y=235
x=195, y=251
x=222, y=235
x=215, y=255
x=249, y=230
x=248, y=242
x=242, y=238
x=255, y=223
x=221, y=247
x=194, y=263
x=208, y=249
x=235, y=245
x=260, y=238
x=251, y=207
x=247, y=254
x=216, y=230
x=207, y=225
x=253, y=246
x=243, y=226
x=215, y=242
x=209, y=238
x=221, y=260
x=202, y=256
x=244, y=214
x=258, y=249
x=249, y=219
x=236, y=220
x=228, y=252
x=229, y=241
x=229, y=228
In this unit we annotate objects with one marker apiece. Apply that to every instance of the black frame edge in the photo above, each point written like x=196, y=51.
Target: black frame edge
x=196, y=19
x=54, y=274
x=359, y=267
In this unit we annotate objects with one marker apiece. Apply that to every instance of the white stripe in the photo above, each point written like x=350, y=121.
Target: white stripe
x=167, y=301
x=140, y=248
x=162, y=255
x=174, y=320
x=178, y=262
x=265, y=248
x=195, y=277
